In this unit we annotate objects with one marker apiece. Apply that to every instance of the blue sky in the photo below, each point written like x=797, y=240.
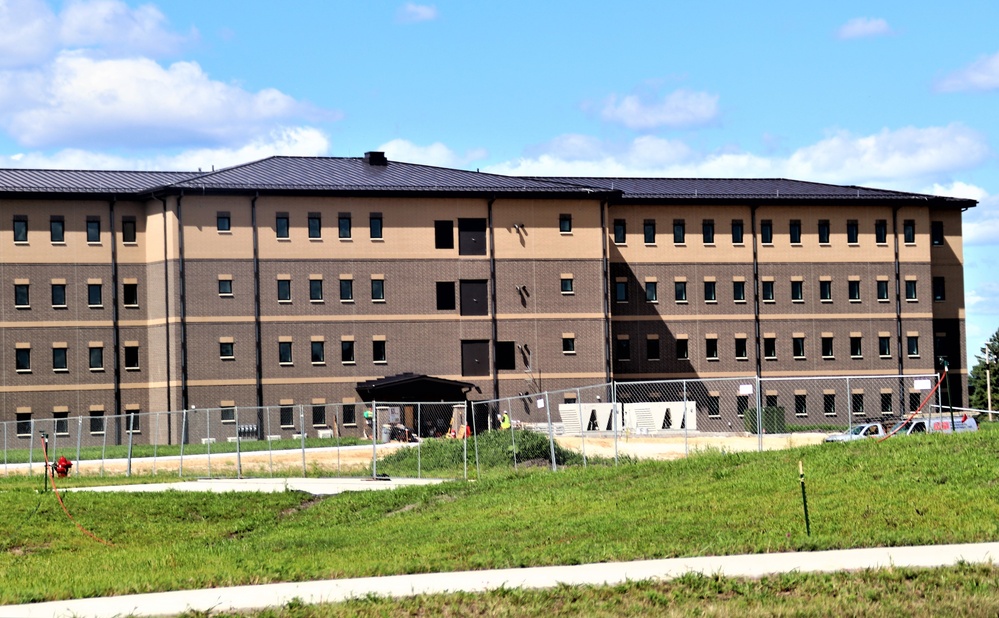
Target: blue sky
x=893, y=95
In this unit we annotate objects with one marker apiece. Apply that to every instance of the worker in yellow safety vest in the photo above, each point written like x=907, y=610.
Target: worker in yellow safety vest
x=505, y=420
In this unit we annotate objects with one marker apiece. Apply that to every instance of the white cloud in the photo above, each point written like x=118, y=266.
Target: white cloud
x=27, y=28
x=981, y=224
x=291, y=141
x=436, y=154
x=135, y=101
x=115, y=26
x=863, y=27
x=412, y=13
x=982, y=74
x=681, y=108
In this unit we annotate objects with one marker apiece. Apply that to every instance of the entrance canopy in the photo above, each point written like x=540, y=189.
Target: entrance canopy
x=413, y=388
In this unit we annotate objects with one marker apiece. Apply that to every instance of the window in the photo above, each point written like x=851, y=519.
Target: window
x=21, y=296
x=131, y=357
x=910, y=290
x=909, y=231
x=882, y=290
x=318, y=349
x=740, y=348
x=823, y=231
x=621, y=291
x=708, y=231
x=349, y=414
x=912, y=345
x=566, y=285
x=61, y=422
x=737, y=231
x=884, y=346
x=770, y=401
x=568, y=344
x=97, y=358
x=881, y=232
x=227, y=413
x=565, y=223
x=284, y=353
x=474, y=294
x=827, y=347
x=225, y=287
x=223, y=223
x=651, y=292
x=471, y=236
x=378, y=290
x=739, y=291
x=886, y=403
x=375, y=225
x=857, y=403
x=132, y=418
x=852, y=232
x=680, y=291
x=97, y=421
x=797, y=291
x=93, y=229
x=798, y=347
x=714, y=406
x=445, y=295
x=767, y=231
x=343, y=225
x=282, y=225
x=347, y=352
x=622, y=349
x=620, y=232
x=800, y=404
x=769, y=347
x=23, y=423
x=286, y=417
x=825, y=291
x=315, y=225
x=711, y=348
x=856, y=347
x=914, y=401
x=506, y=355
x=20, y=228
x=795, y=232
x=94, y=295
x=227, y=350
x=444, y=234
x=682, y=349
x=58, y=294
x=649, y=231
x=22, y=360
x=939, y=289
x=130, y=294
x=57, y=230
x=679, y=231
x=346, y=290
x=829, y=404
x=474, y=357
x=710, y=292
x=853, y=290
x=378, y=351
x=741, y=405
x=767, y=291
x=128, y=230
x=60, y=360
x=319, y=415
x=936, y=233
x=316, y=290
x=652, y=349
x=284, y=290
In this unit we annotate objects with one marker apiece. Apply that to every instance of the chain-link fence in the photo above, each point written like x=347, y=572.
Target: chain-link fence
x=595, y=424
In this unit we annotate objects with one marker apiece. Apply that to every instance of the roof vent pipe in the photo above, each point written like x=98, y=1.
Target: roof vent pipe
x=374, y=157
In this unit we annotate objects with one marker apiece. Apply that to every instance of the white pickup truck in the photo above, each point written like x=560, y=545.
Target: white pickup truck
x=859, y=432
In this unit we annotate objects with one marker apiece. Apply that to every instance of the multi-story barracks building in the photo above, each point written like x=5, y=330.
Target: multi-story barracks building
x=298, y=279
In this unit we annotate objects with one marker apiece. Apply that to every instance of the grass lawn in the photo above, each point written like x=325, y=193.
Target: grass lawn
x=905, y=491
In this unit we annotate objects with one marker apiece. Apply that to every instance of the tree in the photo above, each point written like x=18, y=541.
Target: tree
x=977, y=381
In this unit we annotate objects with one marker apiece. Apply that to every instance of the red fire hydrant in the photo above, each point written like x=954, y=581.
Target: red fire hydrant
x=61, y=467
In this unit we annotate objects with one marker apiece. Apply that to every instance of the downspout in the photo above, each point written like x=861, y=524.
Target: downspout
x=605, y=265
x=898, y=293
x=756, y=294
x=184, y=395
x=492, y=294
x=115, y=326
x=166, y=322
x=256, y=316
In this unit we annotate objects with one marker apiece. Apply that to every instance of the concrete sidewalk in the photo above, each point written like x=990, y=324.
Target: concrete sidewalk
x=258, y=597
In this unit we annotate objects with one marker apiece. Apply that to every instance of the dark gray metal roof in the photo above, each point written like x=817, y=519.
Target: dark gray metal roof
x=741, y=188
x=355, y=174
x=86, y=181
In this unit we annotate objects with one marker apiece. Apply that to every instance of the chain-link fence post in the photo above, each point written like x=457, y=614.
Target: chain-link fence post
x=582, y=428
x=849, y=404
x=31, y=447
x=475, y=437
x=183, y=440
x=79, y=437
x=239, y=439
x=419, y=444
x=129, y=425
x=5, y=470
x=759, y=413
x=301, y=428
x=551, y=429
